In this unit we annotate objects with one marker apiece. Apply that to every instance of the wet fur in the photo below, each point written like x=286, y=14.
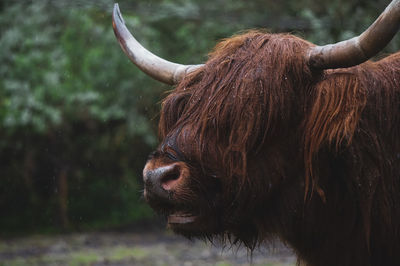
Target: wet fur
x=311, y=157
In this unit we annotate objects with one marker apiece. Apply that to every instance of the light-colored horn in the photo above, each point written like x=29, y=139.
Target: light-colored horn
x=154, y=66
x=361, y=48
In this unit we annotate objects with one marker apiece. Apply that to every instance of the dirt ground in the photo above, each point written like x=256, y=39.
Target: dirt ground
x=158, y=247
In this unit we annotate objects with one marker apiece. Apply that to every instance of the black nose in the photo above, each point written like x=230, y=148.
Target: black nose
x=162, y=180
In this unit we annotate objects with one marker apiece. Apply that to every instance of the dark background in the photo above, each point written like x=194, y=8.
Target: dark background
x=77, y=119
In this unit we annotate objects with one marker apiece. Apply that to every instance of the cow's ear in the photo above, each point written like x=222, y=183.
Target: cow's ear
x=337, y=104
x=336, y=107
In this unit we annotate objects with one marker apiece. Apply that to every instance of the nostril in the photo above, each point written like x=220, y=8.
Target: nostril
x=161, y=180
x=170, y=178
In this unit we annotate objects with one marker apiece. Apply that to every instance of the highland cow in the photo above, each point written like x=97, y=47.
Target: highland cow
x=277, y=138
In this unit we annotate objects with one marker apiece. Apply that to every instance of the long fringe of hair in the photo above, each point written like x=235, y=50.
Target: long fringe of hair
x=241, y=97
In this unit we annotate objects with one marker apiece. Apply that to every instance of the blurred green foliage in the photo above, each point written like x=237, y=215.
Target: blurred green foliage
x=77, y=120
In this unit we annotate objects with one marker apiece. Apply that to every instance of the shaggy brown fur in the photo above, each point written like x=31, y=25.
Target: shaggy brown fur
x=276, y=149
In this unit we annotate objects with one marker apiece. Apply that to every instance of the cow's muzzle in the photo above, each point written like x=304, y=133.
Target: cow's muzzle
x=161, y=181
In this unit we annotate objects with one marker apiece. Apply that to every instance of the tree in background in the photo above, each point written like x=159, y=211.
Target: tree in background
x=74, y=129
x=77, y=120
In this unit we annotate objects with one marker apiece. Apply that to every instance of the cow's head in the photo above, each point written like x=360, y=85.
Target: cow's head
x=228, y=128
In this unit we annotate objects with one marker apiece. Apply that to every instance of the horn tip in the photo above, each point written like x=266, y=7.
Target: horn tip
x=117, y=14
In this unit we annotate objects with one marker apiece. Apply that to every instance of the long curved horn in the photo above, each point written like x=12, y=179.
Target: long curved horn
x=154, y=66
x=361, y=48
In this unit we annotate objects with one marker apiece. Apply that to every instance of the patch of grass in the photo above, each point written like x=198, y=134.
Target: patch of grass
x=223, y=263
x=73, y=259
x=83, y=258
x=24, y=262
x=122, y=253
x=276, y=264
